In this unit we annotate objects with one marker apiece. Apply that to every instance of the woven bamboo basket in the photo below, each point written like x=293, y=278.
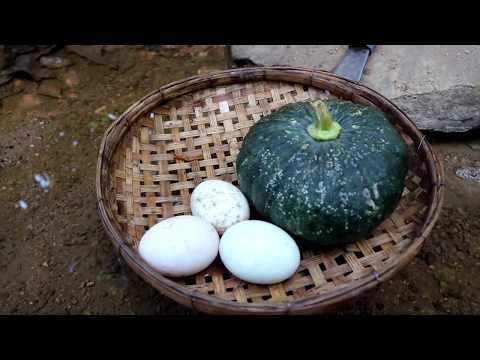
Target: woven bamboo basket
x=154, y=154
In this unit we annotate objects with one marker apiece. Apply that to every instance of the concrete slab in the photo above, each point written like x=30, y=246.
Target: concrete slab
x=393, y=70
x=396, y=71
x=323, y=57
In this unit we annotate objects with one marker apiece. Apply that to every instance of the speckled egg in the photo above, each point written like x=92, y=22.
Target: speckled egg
x=220, y=203
x=180, y=246
x=259, y=252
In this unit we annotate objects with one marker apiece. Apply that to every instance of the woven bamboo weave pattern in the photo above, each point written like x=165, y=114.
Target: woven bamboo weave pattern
x=175, y=146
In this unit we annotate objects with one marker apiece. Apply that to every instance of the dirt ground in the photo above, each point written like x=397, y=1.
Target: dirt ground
x=54, y=255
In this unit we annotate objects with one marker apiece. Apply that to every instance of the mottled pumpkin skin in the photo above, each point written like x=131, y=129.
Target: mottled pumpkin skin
x=326, y=192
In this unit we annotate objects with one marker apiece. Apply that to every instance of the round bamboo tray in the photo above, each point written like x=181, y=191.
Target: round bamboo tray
x=154, y=154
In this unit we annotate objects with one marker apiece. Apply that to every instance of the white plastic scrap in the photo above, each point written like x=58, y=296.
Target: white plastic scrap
x=112, y=117
x=152, y=115
x=75, y=143
x=23, y=204
x=42, y=180
x=469, y=173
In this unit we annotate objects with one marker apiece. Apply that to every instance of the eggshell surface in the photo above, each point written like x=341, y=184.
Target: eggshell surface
x=220, y=203
x=259, y=252
x=180, y=246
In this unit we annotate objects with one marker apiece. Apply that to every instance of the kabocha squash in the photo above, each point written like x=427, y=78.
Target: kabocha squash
x=328, y=172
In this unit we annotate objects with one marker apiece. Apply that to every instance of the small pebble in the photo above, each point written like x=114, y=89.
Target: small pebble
x=42, y=180
x=32, y=146
x=61, y=134
x=71, y=268
x=112, y=117
x=23, y=204
x=152, y=115
x=54, y=62
x=469, y=173
x=45, y=264
x=90, y=283
x=75, y=143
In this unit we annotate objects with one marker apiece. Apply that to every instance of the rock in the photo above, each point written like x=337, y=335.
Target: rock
x=19, y=85
x=94, y=53
x=435, y=88
x=469, y=173
x=5, y=77
x=71, y=78
x=16, y=88
x=21, y=49
x=21, y=103
x=27, y=64
x=452, y=110
x=122, y=59
x=51, y=88
x=55, y=62
x=424, y=68
x=323, y=57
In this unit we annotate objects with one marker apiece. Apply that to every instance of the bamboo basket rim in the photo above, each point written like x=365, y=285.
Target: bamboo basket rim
x=195, y=298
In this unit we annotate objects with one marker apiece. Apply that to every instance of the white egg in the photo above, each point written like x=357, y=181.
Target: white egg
x=259, y=252
x=220, y=203
x=180, y=246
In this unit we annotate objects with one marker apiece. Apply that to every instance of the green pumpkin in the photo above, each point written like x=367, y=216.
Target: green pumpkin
x=327, y=172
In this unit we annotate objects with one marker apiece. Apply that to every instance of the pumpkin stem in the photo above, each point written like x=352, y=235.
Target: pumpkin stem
x=324, y=127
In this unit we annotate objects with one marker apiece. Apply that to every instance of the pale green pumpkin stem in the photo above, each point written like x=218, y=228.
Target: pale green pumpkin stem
x=324, y=127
